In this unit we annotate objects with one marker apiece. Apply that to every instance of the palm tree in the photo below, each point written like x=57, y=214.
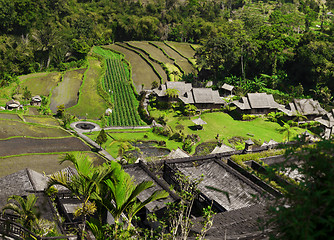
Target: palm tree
x=287, y=130
x=122, y=196
x=172, y=93
x=25, y=208
x=82, y=185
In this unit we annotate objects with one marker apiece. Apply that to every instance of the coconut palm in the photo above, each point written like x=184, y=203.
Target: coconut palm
x=287, y=130
x=122, y=196
x=82, y=185
x=172, y=93
x=25, y=208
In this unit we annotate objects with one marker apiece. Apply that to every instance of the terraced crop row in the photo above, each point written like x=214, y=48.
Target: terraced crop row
x=118, y=86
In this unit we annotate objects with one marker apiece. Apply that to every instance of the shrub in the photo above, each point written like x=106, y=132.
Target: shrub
x=248, y=117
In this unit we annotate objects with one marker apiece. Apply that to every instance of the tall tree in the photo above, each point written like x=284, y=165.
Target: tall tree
x=83, y=185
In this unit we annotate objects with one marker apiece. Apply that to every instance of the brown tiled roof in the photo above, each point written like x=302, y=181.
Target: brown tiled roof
x=308, y=107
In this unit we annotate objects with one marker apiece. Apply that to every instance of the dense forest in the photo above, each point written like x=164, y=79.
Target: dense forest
x=284, y=45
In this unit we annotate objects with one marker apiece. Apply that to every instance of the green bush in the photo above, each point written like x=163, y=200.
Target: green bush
x=248, y=117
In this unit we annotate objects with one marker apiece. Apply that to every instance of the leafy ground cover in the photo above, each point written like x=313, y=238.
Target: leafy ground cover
x=117, y=84
x=43, y=84
x=90, y=104
x=43, y=163
x=66, y=92
x=19, y=145
x=180, y=61
x=117, y=138
x=12, y=128
x=142, y=73
x=227, y=128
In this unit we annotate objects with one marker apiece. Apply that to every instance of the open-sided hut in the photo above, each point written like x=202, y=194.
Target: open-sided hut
x=227, y=90
x=199, y=122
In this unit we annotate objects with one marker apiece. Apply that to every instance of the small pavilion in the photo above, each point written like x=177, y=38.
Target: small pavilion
x=199, y=123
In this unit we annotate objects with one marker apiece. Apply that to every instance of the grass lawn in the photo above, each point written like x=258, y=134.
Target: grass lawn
x=67, y=90
x=142, y=73
x=113, y=145
x=90, y=104
x=48, y=163
x=12, y=128
x=224, y=125
x=43, y=84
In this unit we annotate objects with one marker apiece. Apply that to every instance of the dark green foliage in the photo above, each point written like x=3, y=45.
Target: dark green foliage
x=117, y=84
x=102, y=137
x=306, y=210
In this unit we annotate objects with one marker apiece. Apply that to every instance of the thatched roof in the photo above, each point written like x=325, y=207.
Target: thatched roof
x=36, y=98
x=243, y=104
x=249, y=142
x=178, y=153
x=209, y=84
x=218, y=175
x=221, y=149
x=261, y=100
x=308, y=107
x=206, y=95
x=141, y=174
x=243, y=223
x=199, y=121
x=227, y=87
x=13, y=103
x=23, y=183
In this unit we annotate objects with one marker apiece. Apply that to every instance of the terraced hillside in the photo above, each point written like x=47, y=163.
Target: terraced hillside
x=117, y=85
x=156, y=61
x=67, y=90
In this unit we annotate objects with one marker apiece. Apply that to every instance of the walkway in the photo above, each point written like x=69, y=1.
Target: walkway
x=81, y=134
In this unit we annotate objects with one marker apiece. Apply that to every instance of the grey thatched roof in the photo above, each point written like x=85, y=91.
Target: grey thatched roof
x=206, y=95
x=241, y=191
x=242, y=104
x=227, y=87
x=141, y=175
x=261, y=100
x=243, y=223
x=209, y=84
x=221, y=149
x=308, y=107
x=327, y=120
x=249, y=142
x=190, y=95
x=36, y=98
x=13, y=103
x=199, y=121
x=178, y=153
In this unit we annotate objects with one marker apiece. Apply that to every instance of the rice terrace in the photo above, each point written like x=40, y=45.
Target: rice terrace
x=140, y=104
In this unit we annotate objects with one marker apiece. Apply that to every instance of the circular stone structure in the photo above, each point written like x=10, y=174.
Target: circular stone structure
x=85, y=126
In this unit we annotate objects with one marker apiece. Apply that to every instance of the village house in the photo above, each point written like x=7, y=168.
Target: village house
x=13, y=104
x=307, y=107
x=202, y=98
x=257, y=103
x=36, y=101
x=227, y=90
x=327, y=122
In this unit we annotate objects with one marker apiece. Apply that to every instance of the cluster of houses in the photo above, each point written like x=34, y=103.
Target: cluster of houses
x=16, y=105
x=252, y=103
